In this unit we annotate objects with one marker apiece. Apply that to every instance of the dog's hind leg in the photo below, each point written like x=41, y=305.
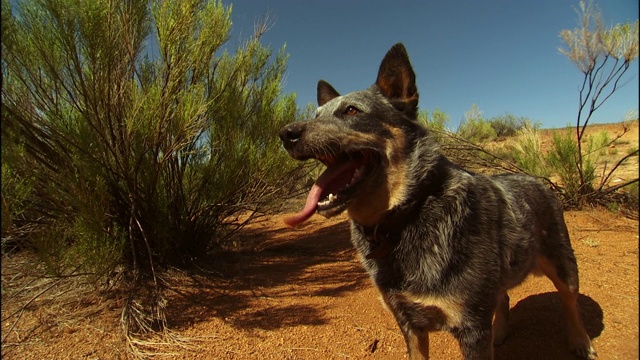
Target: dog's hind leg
x=565, y=279
x=501, y=318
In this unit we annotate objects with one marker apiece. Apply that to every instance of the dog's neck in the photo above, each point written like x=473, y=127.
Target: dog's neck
x=384, y=235
x=387, y=232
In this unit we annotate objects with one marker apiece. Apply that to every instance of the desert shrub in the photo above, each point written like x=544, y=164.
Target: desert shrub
x=508, y=125
x=562, y=161
x=603, y=56
x=477, y=131
x=16, y=191
x=598, y=143
x=527, y=152
x=436, y=122
x=165, y=148
x=474, y=128
x=131, y=158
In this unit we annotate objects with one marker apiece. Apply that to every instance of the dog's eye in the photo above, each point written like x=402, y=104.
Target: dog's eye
x=351, y=110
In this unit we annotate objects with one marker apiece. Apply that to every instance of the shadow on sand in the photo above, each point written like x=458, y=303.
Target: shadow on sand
x=246, y=287
x=538, y=329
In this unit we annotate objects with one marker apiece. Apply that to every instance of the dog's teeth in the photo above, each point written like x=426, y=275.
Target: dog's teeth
x=329, y=200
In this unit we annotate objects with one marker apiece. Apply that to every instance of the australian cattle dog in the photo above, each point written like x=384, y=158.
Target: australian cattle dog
x=442, y=244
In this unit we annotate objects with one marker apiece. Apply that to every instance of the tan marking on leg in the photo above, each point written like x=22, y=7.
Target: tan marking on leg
x=501, y=319
x=418, y=343
x=578, y=337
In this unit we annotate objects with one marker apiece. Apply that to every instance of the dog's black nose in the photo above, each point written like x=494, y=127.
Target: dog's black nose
x=291, y=134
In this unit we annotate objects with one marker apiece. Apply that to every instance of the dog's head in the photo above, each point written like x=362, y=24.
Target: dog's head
x=365, y=139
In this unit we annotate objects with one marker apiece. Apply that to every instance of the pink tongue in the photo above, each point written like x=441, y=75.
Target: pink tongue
x=309, y=207
x=316, y=192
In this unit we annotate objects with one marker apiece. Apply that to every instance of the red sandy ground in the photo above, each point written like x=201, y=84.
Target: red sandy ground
x=301, y=294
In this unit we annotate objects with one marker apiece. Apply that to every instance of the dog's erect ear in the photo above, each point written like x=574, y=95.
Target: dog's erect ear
x=326, y=92
x=397, y=81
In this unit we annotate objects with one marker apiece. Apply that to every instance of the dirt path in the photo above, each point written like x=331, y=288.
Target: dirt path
x=301, y=294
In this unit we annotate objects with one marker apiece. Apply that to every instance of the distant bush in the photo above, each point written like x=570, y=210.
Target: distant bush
x=474, y=128
x=527, y=152
x=508, y=125
x=436, y=122
x=562, y=159
x=599, y=142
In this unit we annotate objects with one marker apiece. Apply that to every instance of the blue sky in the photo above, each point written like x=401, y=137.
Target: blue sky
x=501, y=55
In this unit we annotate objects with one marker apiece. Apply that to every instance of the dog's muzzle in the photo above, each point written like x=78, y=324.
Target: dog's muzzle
x=291, y=134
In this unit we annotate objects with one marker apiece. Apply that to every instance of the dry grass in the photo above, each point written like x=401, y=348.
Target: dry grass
x=36, y=306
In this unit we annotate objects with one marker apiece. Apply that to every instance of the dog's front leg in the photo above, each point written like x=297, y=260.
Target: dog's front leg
x=501, y=318
x=417, y=344
x=475, y=343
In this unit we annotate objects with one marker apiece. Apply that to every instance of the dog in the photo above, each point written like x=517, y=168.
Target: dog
x=442, y=244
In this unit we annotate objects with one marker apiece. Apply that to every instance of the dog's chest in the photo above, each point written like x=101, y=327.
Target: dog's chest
x=397, y=263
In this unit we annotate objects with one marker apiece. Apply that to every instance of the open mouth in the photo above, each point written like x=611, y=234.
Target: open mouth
x=334, y=189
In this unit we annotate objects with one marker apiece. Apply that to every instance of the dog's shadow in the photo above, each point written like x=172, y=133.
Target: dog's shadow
x=538, y=329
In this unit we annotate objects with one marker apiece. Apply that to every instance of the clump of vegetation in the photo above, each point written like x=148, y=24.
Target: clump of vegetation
x=562, y=160
x=122, y=154
x=436, y=122
x=474, y=128
x=509, y=125
x=603, y=55
x=527, y=153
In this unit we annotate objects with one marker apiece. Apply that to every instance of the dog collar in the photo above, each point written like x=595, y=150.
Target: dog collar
x=385, y=235
x=380, y=242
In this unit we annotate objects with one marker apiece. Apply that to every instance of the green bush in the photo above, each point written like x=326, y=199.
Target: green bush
x=16, y=190
x=476, y=131
x=562, y=160
x=436, y=122
x=527, y=152
x=474, y=128
x=134, y=159
x=598, y=143
x=509, y=125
